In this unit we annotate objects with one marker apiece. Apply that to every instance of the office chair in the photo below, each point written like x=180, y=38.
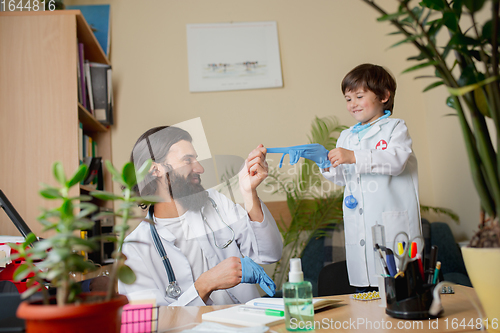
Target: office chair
x=333, y=280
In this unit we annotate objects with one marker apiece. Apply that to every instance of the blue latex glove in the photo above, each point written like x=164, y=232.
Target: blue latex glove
x=314, y=152
x=253, y=273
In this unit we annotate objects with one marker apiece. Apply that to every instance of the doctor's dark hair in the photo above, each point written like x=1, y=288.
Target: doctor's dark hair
x=155, y=144
x=374, y=78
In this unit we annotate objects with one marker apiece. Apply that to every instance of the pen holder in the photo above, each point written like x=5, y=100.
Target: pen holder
x=408, y=297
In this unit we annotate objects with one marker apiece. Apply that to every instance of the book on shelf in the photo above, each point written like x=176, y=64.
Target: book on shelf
x=88, y=81
x=98, y=18
x=94, y=174
x=235, y=315
x=78, y=76
x=100, y=91
x=82, y=91
x=80, y=141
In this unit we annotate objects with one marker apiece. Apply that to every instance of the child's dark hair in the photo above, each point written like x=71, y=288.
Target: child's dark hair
x=374, y=78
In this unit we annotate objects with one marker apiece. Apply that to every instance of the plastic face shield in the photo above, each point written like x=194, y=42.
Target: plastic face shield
x=220, y=173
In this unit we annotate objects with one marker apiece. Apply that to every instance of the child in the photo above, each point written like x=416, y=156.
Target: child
x=375, y=159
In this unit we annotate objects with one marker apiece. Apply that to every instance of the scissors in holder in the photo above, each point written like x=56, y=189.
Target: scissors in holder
x=407, y=249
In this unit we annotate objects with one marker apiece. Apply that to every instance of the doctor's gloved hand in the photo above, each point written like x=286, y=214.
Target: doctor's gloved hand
x=253, y=273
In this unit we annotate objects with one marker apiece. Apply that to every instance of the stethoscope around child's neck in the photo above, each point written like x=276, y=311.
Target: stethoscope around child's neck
x=173, y=289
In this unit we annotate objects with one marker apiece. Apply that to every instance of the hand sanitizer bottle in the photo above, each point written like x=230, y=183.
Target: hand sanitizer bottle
x=297, y=296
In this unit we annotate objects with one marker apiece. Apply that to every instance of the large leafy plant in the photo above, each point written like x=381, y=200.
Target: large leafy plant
x=313, y=212
x=55, y=260
x=465, y=61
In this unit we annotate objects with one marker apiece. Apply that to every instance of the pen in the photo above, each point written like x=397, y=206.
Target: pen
x=420, y=265
x=269, y=305
x=413, y=249
x=391, y=263
x=382, y=261
x=432, y=263
x=267, y=312
x=436, y=272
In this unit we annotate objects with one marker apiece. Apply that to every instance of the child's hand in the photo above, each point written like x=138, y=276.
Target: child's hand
x=340, y=156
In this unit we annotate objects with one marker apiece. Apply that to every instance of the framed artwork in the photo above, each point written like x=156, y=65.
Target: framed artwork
x=233, y=56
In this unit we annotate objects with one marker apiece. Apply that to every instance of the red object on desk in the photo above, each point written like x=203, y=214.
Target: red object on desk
x=7, y=274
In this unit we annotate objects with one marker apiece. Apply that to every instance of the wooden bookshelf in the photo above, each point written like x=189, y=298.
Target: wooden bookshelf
x=39, y=109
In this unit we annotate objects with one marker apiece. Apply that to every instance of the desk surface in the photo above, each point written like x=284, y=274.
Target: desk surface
x=351, y=316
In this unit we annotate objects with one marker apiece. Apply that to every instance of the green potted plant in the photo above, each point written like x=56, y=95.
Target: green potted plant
x=56, y=259
x=312, y=212
x=467, y=64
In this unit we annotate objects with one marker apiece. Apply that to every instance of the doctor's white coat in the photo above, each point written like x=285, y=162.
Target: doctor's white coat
x=384, y=180
x=260, y=241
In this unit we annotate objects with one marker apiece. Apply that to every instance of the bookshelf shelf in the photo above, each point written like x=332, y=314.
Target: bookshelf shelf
x=39, y=109
x=88, y=120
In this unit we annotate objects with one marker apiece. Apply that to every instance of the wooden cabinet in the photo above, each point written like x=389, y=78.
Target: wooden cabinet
x=39, y=109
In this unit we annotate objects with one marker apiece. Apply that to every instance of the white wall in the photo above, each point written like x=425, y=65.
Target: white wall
x=320, y=41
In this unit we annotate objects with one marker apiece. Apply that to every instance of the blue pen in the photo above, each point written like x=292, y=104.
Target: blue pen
x=391, y=263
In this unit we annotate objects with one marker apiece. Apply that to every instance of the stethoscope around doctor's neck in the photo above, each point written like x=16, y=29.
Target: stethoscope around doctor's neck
x=173, y=289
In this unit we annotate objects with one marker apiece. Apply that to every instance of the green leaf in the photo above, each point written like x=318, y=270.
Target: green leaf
x=143, y=170
x=86, y=208
x=466, y=89
x=30, y=238
x=433, y=4
x=78, y=176
x=487, y=32
x=112, y=169
x=21, y=272
x=474, y=5
x=103, y=195
x=66, y=209
x=126, y=274
x=433, y=85
x=58, y=171
x=425, y=64
x=450, y=21
x=50, y=193
x=450, y=101
x=389, y=17
x=128, y=174
x=482, y=102
x=406, y=40
x=148, y=199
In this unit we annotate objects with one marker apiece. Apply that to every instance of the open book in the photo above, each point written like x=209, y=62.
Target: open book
x=234, y=315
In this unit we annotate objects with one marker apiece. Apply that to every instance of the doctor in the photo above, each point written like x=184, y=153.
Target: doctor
x=210, y=242
x=375, y=162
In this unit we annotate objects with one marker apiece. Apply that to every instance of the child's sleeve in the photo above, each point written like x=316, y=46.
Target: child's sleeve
x=335, y=174
x=391, y=161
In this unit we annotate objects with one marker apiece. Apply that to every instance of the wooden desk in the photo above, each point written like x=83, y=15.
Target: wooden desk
x=350, y=316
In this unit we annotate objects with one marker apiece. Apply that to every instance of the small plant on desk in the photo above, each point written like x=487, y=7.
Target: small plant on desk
x=54, y=259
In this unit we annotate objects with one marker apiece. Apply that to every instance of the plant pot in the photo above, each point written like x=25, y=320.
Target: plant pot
x=85, y=317
x=483, y=267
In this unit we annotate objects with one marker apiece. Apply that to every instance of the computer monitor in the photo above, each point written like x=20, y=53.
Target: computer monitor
x=14, y=215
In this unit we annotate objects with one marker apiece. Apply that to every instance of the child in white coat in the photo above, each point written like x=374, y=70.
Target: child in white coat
x=375, y=162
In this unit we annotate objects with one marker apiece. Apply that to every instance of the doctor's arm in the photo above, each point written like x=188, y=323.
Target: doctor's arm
x=251, y=175
x=391, y=161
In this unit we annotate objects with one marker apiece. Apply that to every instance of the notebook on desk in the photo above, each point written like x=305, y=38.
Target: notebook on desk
x=234, y=315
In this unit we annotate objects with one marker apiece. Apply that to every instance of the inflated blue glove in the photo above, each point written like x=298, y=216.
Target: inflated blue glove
x=253, y=273
x=314, y=152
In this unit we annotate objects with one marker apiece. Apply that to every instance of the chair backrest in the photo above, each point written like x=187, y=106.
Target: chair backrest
x=333, y=280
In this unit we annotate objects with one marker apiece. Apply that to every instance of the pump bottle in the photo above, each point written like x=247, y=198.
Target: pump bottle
x=297, y=296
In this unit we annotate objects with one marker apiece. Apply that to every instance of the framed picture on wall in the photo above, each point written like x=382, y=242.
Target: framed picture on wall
x=233, y=56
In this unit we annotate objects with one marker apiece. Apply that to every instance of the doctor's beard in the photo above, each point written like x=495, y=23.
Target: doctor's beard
x=191, y=196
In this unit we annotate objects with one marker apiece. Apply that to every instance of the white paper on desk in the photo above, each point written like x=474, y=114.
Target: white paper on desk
x=278, y=304
x=214, y=327
x=233, y=316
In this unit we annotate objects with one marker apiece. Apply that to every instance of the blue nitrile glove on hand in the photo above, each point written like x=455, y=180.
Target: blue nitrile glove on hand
x=253, y=273
x=314, y=152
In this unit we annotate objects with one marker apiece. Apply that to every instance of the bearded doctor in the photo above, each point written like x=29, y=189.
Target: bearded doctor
x=202, y=248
